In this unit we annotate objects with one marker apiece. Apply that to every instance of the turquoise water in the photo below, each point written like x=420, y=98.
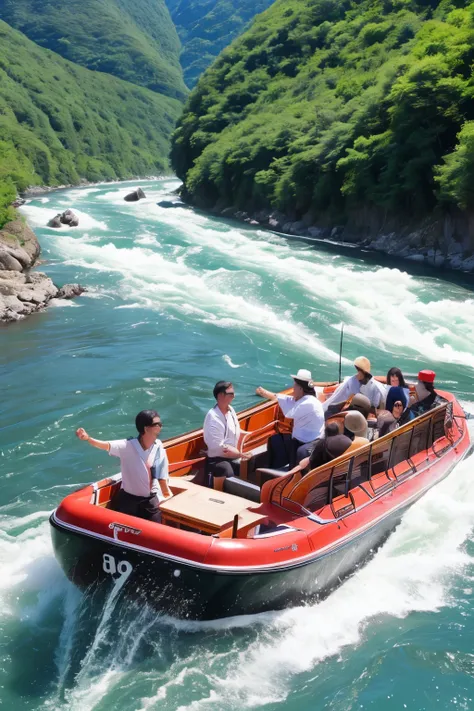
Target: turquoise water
x=176, y=301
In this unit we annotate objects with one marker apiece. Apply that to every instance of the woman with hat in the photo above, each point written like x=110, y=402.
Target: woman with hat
x=304, y=408
x=361, y=382
x=425, y=396
x=356, y=424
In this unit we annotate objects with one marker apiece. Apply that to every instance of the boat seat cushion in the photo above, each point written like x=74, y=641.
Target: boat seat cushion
x=239, y=487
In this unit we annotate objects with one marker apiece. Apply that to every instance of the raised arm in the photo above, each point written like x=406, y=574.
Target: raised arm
x=98, y=443
x=265, y=393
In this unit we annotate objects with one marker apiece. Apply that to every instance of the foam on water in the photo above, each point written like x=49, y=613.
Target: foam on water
x=368, y=300
x=178, y=283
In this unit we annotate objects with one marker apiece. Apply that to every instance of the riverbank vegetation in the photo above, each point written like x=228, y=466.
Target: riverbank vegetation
x=205, y=27
x=135, y=41
x=60, y=123
x=324, y=108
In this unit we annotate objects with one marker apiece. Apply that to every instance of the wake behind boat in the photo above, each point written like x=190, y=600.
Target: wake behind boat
x=271, y=539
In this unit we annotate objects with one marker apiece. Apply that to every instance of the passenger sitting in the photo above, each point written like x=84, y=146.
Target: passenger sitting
x=222, y=436
x=330, y=447
x=362, y=382
x=356, y=424
x=396, y=413
x=395, y=379
x=304, y=408
x=425, y=397
x=361, y=403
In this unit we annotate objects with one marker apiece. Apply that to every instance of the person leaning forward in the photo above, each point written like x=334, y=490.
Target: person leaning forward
x=144, y=467
x=221, y=433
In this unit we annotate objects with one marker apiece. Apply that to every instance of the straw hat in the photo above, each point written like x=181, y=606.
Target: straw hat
x=363, y=364
x=356, y=423
x=302, y=374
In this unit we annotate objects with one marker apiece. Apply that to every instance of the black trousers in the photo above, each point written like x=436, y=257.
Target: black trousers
x=221, y=467
x=142, y=506
x=284, y=449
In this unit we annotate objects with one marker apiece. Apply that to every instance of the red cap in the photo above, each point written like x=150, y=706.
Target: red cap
x=427, y=376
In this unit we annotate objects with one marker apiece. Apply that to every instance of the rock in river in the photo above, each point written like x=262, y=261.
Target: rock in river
x=137, y=194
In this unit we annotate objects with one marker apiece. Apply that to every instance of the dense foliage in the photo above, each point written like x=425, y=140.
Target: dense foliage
x=323, y=108
x=60, y=122
x=135, y=41
x=207, y=26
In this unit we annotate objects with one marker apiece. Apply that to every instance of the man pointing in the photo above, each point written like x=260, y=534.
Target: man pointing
x=144, y=467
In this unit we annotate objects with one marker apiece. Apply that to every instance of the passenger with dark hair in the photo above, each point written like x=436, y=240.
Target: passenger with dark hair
x=396, y=413
x=395, y=379
x=144, y=467
x=304, y=408
x=425, y=397
x=222, y=437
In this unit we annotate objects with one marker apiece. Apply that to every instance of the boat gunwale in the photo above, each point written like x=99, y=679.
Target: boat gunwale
x=281, y=565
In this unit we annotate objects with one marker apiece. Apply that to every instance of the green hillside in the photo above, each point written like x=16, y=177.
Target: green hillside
x=323, y=108
x=135, y=41
x=60, y=122
x=207, y=26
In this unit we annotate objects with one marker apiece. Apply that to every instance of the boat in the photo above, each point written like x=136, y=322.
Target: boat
x=271, y=539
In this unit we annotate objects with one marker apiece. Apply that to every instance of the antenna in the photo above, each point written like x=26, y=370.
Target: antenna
x=340, y=352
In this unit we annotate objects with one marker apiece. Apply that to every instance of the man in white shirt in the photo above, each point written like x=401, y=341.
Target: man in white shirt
x=144, y=467
x=361, y=382
x=304, y=408
x=221, y=433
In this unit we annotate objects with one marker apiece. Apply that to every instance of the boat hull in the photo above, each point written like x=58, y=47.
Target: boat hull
x=191, y=592
x=190, y=574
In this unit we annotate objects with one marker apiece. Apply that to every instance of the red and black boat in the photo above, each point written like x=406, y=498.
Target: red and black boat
x=271, y=539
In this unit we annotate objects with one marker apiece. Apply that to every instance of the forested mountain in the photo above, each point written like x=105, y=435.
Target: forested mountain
x=205, y=27
x=325, y=108
x=60, y=122
x=134, y=40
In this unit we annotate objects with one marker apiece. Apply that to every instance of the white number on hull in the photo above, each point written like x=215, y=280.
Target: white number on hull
x=110, y=566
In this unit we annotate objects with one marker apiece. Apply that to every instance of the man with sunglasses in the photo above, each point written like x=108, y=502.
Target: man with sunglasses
x=144, y=467
x=222, y=437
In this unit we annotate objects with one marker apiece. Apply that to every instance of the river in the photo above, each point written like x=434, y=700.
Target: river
x=176, y=301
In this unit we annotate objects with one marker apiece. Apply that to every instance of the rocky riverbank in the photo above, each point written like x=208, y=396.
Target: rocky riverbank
x=23, y=292
x=442, y=241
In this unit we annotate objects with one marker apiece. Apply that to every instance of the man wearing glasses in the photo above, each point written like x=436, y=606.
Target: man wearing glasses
x=144, y=467
x=222, y=437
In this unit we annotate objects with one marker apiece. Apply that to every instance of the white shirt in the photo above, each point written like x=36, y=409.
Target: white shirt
x=140, y=466
x=374, y=390
x=307, y=414
x=220, y=429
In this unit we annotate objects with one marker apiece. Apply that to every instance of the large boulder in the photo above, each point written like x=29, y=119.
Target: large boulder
x=17, y=234
x=55, y=221
x=69, y=218
x=8, y=262
x=137, y=194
